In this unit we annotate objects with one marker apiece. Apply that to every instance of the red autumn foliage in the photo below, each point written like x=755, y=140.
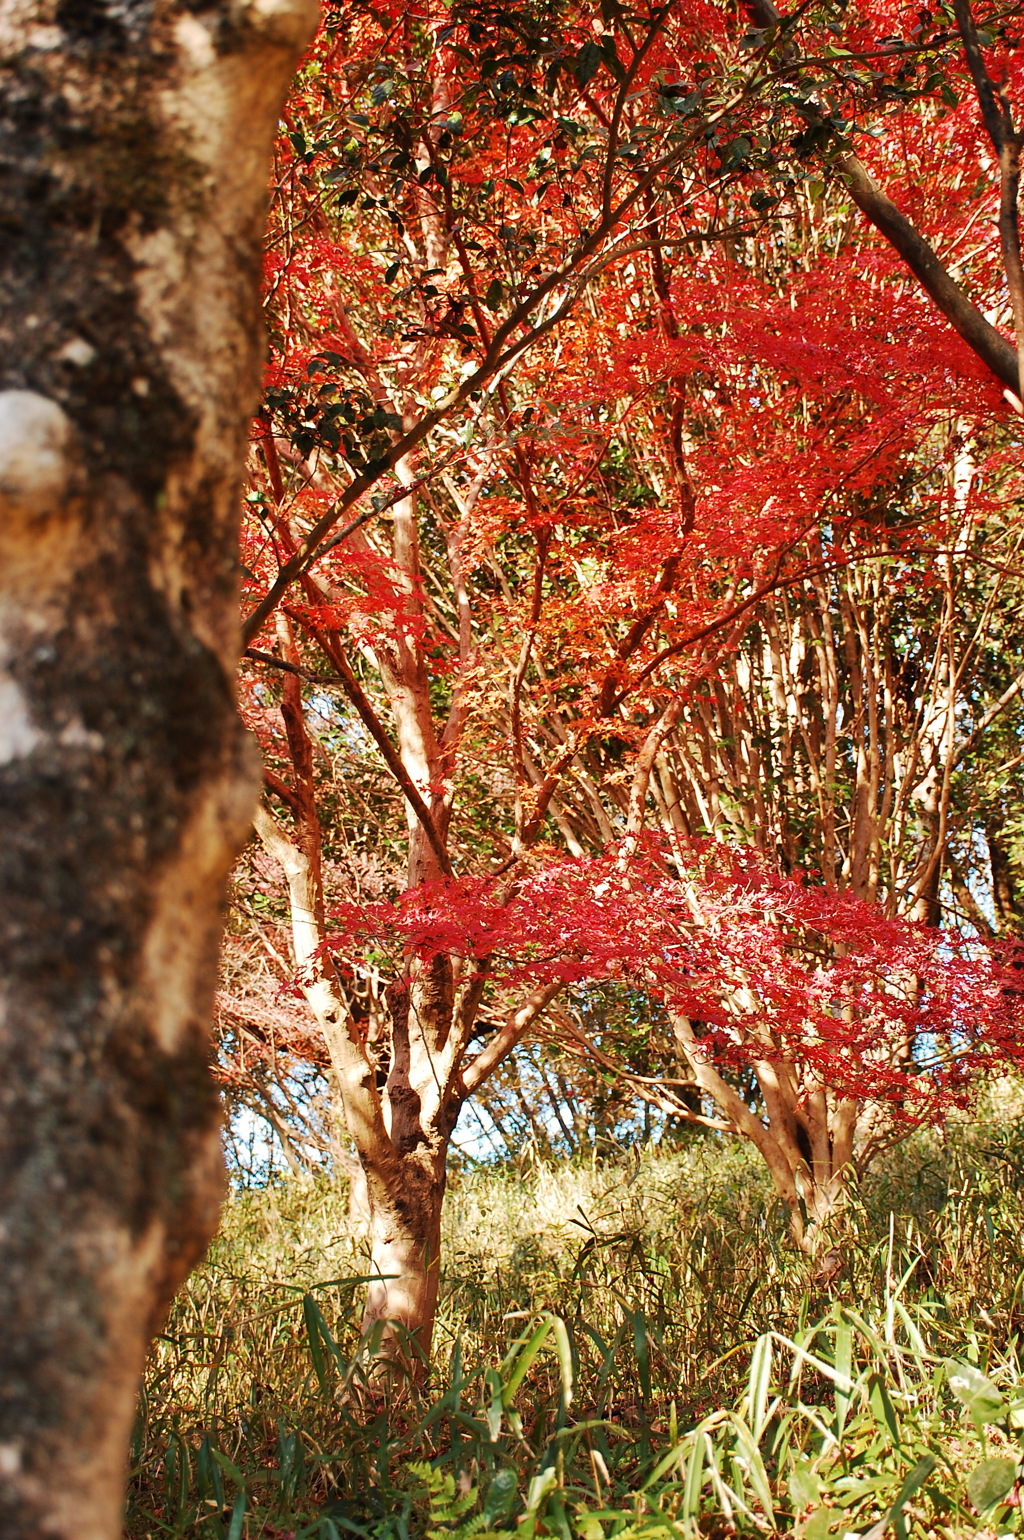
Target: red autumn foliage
x=871, y=1006
x=615, y=475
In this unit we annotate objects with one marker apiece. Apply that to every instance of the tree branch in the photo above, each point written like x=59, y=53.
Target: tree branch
x=964, y=316
x=363, y=1111
x=501, y=352
x=998, y=119
x=983, y=339
x=502, y=1043
x=371, y=722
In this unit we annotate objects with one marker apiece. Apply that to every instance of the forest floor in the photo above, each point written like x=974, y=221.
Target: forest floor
x=627, y=1347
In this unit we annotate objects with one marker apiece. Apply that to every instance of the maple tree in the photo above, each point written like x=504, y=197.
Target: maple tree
x=579, y=368
x=840, y=90
x=845, y=735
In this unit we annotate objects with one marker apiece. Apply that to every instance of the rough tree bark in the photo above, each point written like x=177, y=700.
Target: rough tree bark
x=135, y=138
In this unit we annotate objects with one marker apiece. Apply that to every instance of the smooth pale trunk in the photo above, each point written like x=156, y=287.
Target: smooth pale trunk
x=405, y=1256
x=823, y=1201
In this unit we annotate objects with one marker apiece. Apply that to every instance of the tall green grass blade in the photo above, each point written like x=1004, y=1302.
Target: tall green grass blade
x=881, y=1404
x=237, y=1518
x=844, y=1378
x=694, y=1483
x=520, y=1359
x=759, y=1384
x=754, y=1468
x=315, y=1327
x=564, y=1354
x=912, y=1485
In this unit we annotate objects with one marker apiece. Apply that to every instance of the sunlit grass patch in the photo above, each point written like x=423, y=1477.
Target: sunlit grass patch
x=622, y=1350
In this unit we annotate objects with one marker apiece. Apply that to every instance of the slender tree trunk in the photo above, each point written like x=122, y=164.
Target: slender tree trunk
x=807, y=1146
x=402, y=1130
x=135, y=141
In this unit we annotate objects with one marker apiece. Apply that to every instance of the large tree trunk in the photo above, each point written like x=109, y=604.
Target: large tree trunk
x=406, y=1175
x=135, y=140
x=405, y=1257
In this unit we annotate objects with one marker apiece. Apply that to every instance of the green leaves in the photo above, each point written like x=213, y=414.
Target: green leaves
x=447, y=1505
x=587, y=63
x=819, y=1524
x=804, y=1486
x=991, y=1481
x=911, y=1486
x=500, y=1495
x=759, y=1384
x=237, y=1518
x=591, y=57
x=321, y=1341
x=611, y=58
x=735, y=154
x=524, y=1350
x=981, y=1398
x=757, y=1460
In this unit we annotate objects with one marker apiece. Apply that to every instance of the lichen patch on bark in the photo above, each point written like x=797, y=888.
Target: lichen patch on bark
x=35, y=464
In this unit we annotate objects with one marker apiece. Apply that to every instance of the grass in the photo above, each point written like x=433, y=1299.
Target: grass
x=628, y=1349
